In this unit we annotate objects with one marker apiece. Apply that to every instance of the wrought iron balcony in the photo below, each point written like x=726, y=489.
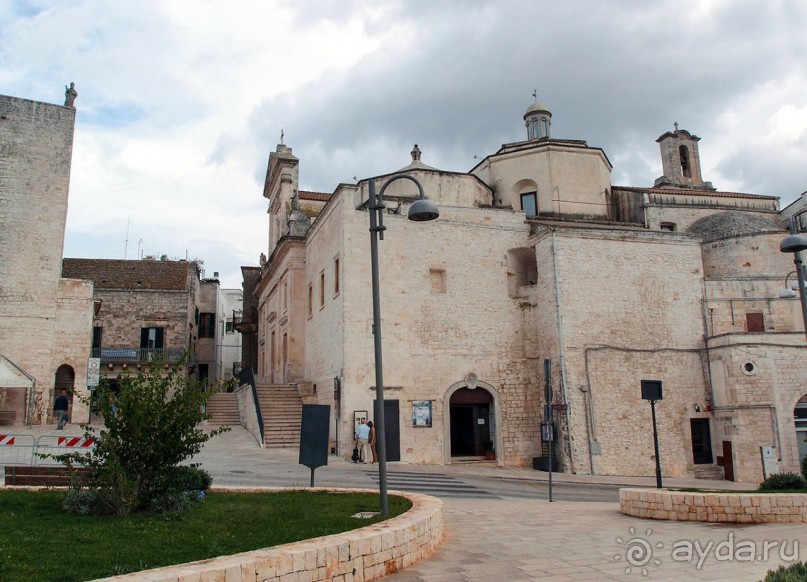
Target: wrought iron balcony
x=242, y=323
x=140, y=355
x=237, y=367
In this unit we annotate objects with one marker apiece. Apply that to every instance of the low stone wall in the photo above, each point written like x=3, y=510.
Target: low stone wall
x=354, y=556
x=246, y=408
x=723, y=506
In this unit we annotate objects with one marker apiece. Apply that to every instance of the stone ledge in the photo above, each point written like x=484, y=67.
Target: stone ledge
x=722, y=507
x=354, y=556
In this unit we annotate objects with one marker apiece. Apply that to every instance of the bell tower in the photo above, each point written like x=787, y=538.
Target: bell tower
x=680, y=161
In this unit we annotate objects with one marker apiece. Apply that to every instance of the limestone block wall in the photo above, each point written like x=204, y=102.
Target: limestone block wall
x=569, y=180
x=36, y=143
x=445, y=312
x=73, y=339
x=123, y=313
x=629, y=310
x=683, y=215
x=757, y=382
x=722, y=507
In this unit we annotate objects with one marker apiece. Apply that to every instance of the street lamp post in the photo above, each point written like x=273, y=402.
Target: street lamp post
x=420, y=211
x=795, y=243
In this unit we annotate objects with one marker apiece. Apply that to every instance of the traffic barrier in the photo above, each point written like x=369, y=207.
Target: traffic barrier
x=17, y=449
x=56, y=445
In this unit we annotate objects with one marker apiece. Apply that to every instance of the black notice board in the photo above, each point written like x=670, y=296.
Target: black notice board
x=314, y=435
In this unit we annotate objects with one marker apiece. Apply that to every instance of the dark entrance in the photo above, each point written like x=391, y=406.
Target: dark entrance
x=64, y=380
x=392, y=428
x=728, y=461
x=701, y=441
x=471, y=412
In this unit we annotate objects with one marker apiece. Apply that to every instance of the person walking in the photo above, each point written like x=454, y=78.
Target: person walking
x=60, y=407
x=363, y=438
x=372, y=441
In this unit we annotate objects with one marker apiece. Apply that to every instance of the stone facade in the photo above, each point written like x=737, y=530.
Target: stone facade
x=41, y=314
x=613, y=285
x=144, y=311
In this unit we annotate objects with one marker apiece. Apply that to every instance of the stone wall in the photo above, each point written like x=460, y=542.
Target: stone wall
x=720, y=507
x=37, y=310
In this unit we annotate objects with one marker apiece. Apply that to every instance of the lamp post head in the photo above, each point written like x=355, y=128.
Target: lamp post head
x=793, y=243
x=787, y=294
x=423, y=210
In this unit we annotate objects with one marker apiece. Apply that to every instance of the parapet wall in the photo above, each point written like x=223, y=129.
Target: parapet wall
x=363, y=554
x=723, y=506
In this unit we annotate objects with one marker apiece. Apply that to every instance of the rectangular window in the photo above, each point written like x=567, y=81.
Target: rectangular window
x=97, y=332
x=322, y=289
x=151, y=338
x=336, y=277
x=207, y=325
x=437, y=278
x=229, y=327
x=310, y=300
x=529, y=203
x=755, y=322
x=667, y=226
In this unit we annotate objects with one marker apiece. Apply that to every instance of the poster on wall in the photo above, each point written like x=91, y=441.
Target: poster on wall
x=422, y=413
x=359, y=416
x=93, y=372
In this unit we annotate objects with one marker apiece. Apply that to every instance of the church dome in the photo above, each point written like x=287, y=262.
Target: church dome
x=732, y=224
x=537, y=108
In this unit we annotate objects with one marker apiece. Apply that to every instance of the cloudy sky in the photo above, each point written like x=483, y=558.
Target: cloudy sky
x=181, y=101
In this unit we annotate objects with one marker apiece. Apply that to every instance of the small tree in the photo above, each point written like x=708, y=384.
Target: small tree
x=150, y=427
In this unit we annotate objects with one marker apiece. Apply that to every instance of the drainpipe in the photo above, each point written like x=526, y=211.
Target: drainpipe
x=562, y=350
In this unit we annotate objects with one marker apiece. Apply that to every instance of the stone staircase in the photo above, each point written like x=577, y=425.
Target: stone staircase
x=709, y=472
x=223, y=408
x=282, y=412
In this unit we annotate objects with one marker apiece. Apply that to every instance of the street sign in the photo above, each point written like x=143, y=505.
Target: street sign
x=93, y=372
x=548, y=380
x=546, y=432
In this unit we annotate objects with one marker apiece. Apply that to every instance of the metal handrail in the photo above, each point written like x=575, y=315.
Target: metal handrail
x=248, y=377
x=135, y=355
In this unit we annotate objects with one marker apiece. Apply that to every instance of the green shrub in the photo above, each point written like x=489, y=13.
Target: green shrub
x=80, y=501
x=804, y=468
x=796, y=572
x=150, y=427
x=783, y=481
x=191, y=478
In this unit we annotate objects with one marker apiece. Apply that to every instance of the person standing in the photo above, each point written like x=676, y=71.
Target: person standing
x=363, y=438
x=372, y=441
x=60, y=407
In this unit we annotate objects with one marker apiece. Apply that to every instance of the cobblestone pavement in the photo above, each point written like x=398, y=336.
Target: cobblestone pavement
x=500, y=525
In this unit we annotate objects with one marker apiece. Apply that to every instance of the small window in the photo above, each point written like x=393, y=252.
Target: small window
x=754, y=322
x=322, y=290
x=336, y=277
x=667, y=227
x=151, y=338
x=529, y=203
x=229, y=327
x=97, y=332
x=438, y=280
x=310, y=300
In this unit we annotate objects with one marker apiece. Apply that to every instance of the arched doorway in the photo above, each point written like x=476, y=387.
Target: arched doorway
x=800, y=418
x=472, y=422
x=64, y=380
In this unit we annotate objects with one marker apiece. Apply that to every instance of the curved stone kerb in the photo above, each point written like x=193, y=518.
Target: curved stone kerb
x=719, y=506
x=365, y=553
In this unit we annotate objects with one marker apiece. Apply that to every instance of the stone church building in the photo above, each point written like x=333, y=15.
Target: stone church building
x=537, y=256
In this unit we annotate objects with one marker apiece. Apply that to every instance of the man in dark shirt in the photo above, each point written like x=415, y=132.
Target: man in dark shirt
x=60, y=407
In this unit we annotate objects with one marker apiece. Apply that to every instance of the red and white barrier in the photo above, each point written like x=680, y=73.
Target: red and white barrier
x=75, y=442
x=6, y=439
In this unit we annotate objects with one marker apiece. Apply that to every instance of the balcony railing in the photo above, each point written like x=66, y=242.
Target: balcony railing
x=237, y=367
x=242, y=323
x=140, y=355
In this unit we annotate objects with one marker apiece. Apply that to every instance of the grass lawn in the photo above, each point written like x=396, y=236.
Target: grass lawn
x=39, y=541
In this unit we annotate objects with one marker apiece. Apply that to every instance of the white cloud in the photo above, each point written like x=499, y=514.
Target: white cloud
x=181, y=101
